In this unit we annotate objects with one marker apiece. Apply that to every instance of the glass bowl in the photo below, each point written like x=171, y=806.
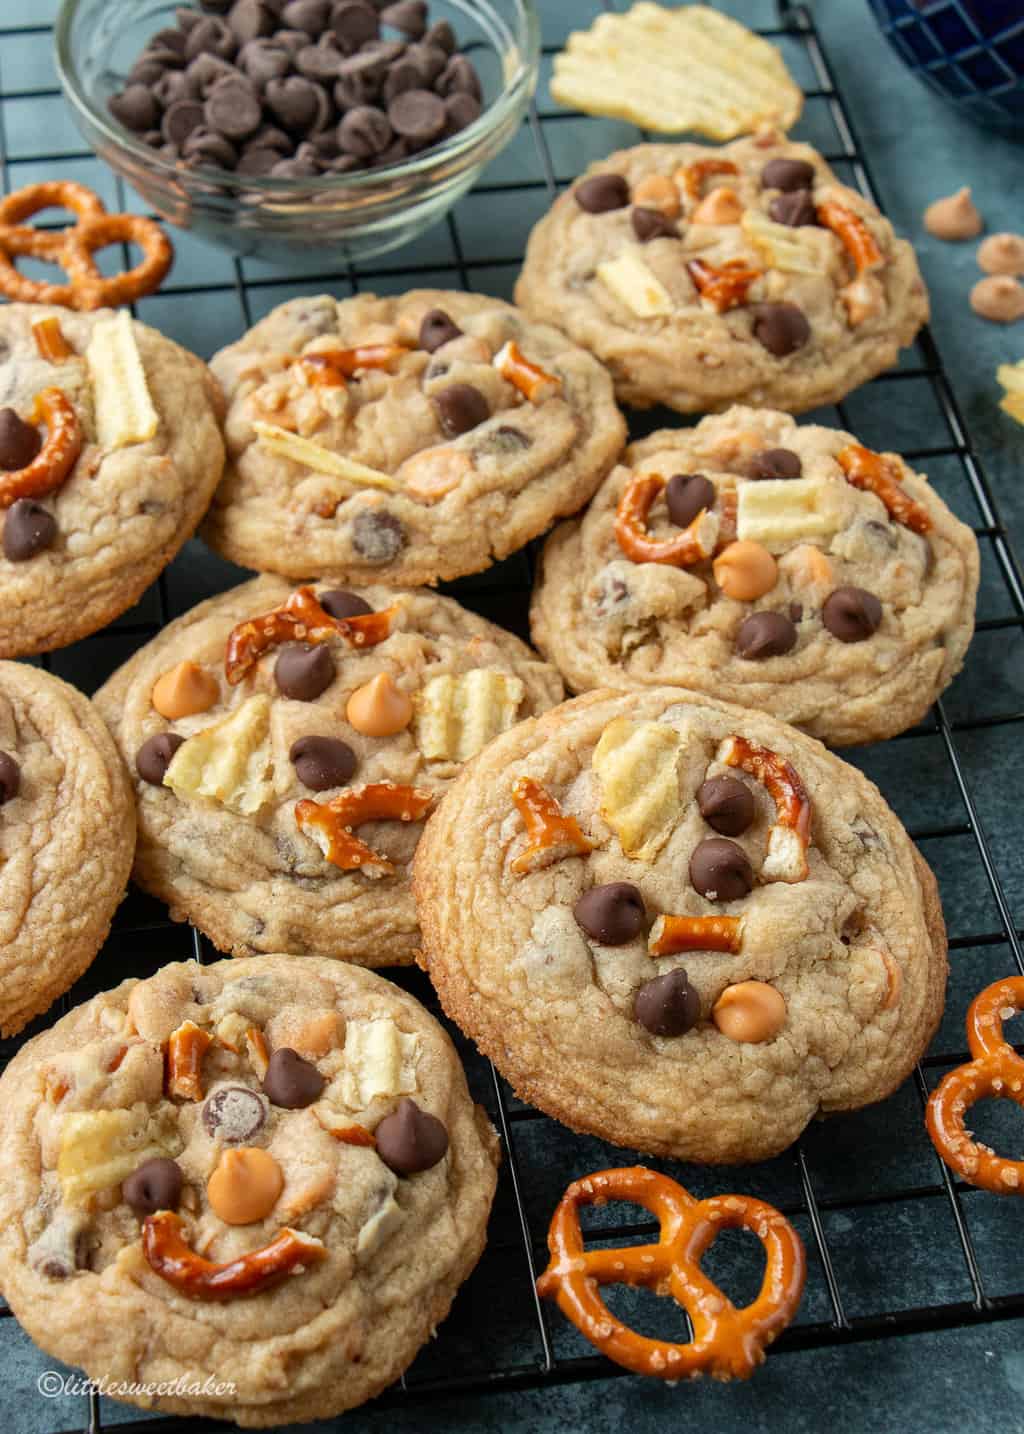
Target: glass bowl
x=352, y=215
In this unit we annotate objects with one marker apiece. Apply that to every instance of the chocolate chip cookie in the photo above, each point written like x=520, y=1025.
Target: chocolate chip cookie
x=110, y=450
x=779, y=566
x=404, y=440
x=706, y=276
x=287, y=745
x=260, y=1181
x=692, y=928
x=67, y=835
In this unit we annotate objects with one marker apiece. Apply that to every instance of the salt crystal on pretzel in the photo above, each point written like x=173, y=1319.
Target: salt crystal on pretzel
x=282, y=444
x=124, y=410
x=878, y=474
x=457, y=715
x=637, y=765
x=300, y=618
x=173, y=1259
x=633, y=284
x=672, y=934
x=551, y=836
x=694, y=543
x=786, y=859
x=330, y=823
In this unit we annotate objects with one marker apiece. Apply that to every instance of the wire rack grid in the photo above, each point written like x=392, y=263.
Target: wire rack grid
x=866, y=1178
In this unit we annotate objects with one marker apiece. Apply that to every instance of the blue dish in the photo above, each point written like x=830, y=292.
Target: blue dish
x=971, y=52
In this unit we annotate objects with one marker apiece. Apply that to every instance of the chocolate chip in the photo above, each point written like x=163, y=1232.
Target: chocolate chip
x=181, y=120
x=428, y=59
x=10, y=777
x=611, y=914
x=601, y=193
x=354, y=23
x=19, y=441
x=167, y=40
x=322, y=762
x=310, y=16
x=796, y=611
x=402, y=76
x=765, y=634
x=203, y=147
x=154, y=756
x=418, y=116
x=304, y=670
x=410, y=1140
x=851, y=614
x=319, y=62
x=796, y=209
x=787, y=175
x=398, y=150
x=341, y=604
x=437, y=328
x=300, y=166
x=459, y=408
x=146, y=71
x=686, y=495
x=726, y=805
x=258, y=162
x=720, y=870
x=154, y=1185
x=205, y=71
x=264, y=60
x=233, y=109
x=234, y=1114
x=135, y=108
x=28, y=529
x=364, y=132
x=210, y=37
x=250, y=20
x=186, y=18
x=292, y=40
x=441, y=36
x=216, y=7
x=667, y=1005
x=376, y=536
x=461, y=110
x=504, y=441
x=780, y=328
x=651, y=224
x=172, y=86
x=290, y=1081
x=775, y=463
x=458, y=77
x=409, y=16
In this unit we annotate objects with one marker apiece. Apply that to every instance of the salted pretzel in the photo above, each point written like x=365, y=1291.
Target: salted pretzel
x=854, y=235
x=533, y=382
x=996, y=1071
x=873, y=473
x=330, y=823
x=691, y=177
x=725, y=286
x=300, y=618
x=786, y=859
x=552, y=835
x=331, y=367
x=171, y=1257
x=728, y=1343
x=672, y=934
x=186, y=1048
x=58, y=455
x=691, y=545
x=72, y=249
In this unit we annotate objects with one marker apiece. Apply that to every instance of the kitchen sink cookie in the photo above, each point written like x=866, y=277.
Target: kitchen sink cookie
x=782, y=567
x=707, y=276
x=261, y=1181
x=110, y=450
x=67, y=834
x=287, y=745
x=403, y=440
x=692, y=928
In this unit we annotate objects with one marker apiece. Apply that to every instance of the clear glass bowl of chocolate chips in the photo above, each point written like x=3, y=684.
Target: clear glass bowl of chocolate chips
x=271, y=126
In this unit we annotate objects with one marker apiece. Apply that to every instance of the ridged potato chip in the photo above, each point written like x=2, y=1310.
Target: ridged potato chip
x=794, y=251
x=228, y=762
x=637, y=764
x=303, y=450
x=783, y=510
x=379, y=1060
x=1011, y=376
x=674, y=70
x=457, y=716
x=100, y=1148
x=124, y=409
x=630, y=280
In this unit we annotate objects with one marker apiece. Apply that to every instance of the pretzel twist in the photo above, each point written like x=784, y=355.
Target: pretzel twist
x=996, y=1071
x=728, y=1343
x=171, y=1257
x=299, y=619
x=58, y=455
x=73, y=248
x=786, y=859
x=690, y=546
x=330, y=823
x=873, y=473
x=692, y=176
x=725, y=286
x=551, y=835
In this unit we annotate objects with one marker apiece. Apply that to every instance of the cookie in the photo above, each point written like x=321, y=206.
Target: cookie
x=284, y=765
x=692, y=929
x=706, y=276
x=778, y=566
x=258, y=1184
x=67, y=835
x=404, y=440
x=110, y=450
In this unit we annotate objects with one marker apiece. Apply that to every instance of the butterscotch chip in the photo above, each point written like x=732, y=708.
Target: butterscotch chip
x=185, y=690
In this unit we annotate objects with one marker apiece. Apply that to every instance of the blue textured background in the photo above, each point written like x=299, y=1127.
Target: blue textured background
x=887, y=1256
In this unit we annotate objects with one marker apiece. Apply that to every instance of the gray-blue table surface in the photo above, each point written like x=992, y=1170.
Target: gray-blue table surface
x=889, y=1256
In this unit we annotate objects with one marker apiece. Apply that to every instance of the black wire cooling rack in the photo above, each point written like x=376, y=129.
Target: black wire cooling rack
x=895, y=1244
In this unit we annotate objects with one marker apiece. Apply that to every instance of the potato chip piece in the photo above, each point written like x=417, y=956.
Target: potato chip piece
x=794, y=251
x=228, y=762
x=100, y=1148
x=457, y=716
x=124, y=409
x=633, y=284
x=1011, y=376
x=379, y=1060
x=637, y=764
x=672, y=70
x=784, y=510
x=311, y=455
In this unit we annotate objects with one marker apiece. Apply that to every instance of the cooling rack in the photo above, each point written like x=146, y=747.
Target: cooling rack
x=895, y=1244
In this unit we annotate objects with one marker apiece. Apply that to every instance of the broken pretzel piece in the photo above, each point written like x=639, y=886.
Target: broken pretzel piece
x=299, y=619
x=173, y=1259
x=786, y=859
x=58, y=455
x=864, y=297
x=331, y=367
x=551, y=835
x=186, y=1048
x=691, y=545
x=874, y=473
x=330, y=823
x=724, y=287
x=672, y=934
x=50, y=340
x=532, y=381
x=691, y=177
